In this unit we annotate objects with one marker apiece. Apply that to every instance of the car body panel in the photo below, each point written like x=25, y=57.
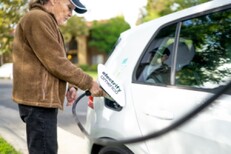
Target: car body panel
x=102, y=119
x=209, y=129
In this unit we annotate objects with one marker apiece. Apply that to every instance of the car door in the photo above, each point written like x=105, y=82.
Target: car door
x=199, y=64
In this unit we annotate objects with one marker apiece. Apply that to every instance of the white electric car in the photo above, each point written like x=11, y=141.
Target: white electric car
x=167, y=67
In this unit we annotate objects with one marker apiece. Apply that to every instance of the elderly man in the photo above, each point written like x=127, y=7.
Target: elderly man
x=42, y=71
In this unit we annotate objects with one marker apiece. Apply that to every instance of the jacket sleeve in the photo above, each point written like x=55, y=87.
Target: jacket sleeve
x=46, y=42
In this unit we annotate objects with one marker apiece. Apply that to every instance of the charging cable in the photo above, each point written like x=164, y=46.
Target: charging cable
x=156, y=134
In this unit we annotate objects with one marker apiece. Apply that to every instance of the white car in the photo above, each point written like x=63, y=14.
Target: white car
x=167, y=67
x=6, y=71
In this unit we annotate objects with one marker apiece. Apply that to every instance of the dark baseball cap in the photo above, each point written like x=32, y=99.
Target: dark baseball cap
x=79, y=7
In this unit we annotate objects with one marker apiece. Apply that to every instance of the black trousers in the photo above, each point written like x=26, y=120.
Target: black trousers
x=41, y=129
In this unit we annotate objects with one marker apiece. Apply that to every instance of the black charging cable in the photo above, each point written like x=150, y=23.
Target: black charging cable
x=174, y=125
x=86, y=93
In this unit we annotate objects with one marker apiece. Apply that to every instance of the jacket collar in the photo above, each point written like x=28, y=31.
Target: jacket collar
x=41, y=7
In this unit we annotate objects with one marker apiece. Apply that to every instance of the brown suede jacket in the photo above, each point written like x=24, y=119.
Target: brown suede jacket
x=41, y=69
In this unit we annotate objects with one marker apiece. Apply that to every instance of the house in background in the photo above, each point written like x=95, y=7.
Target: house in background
x=78, y=52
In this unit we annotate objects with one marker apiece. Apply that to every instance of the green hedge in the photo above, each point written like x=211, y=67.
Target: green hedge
x=89, y=68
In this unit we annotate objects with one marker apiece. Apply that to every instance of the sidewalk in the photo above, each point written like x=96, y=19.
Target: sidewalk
x=12, y=129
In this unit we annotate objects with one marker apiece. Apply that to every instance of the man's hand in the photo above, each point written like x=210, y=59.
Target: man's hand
x=71, y=96
x=96, y=91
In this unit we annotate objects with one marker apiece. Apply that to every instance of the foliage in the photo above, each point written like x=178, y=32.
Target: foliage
x=103, y=35
x=91, y=68
x=10, y=12
x=6, y=148
x=158, y=8
x=154, y=8
x=214, y=31
x=75, y=26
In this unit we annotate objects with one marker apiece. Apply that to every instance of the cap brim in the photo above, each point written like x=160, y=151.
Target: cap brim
x=79, y=7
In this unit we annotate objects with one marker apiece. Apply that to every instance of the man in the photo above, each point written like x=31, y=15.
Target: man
x=157, y=71
x=41, y=71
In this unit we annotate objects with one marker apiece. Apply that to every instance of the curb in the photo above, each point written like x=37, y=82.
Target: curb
x=12, y=129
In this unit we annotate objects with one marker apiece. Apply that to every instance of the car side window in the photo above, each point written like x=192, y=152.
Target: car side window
x=155, y=65
x=203, y=53
x=207, y=63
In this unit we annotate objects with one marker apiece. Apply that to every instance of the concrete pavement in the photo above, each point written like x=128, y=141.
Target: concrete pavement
x=12, y=129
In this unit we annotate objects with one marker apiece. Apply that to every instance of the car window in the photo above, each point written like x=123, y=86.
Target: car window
x=155, y=64
x=206, y=63
x=203, y=53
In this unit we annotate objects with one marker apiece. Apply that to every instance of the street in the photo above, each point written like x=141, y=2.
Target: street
x=65, y=117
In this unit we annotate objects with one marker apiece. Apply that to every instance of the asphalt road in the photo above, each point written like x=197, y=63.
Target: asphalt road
x=65, y=117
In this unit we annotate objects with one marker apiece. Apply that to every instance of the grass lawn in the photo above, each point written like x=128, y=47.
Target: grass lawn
x=92, y=74
x=6, y=148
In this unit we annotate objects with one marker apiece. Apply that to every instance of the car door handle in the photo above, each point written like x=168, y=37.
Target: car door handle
x=161, y=114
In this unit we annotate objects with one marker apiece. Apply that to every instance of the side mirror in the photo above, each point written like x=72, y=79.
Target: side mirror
x=111, y=86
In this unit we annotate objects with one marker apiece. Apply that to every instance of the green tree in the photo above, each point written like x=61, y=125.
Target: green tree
x=10, y=12
x=75, y=26
x=158, y=8
x=211, y=35
x=154, y=8
x=103, y=35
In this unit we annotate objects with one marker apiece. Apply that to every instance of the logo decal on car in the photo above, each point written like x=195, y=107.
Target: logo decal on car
x=110, y=82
